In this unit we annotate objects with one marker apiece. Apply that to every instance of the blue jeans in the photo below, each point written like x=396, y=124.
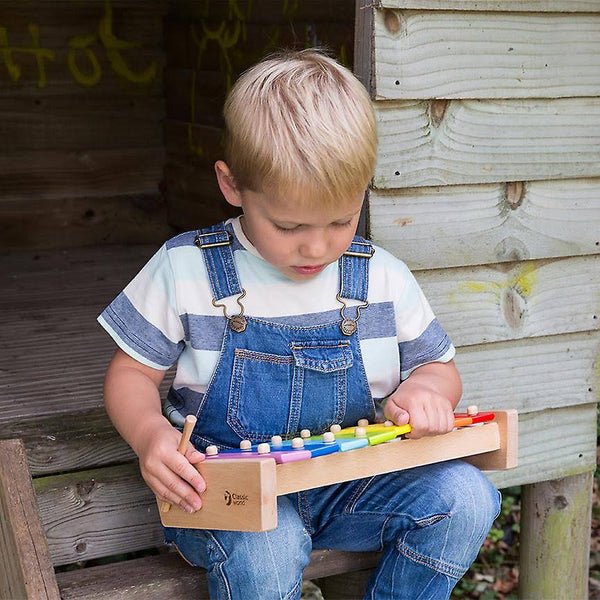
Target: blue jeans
x=429, y=523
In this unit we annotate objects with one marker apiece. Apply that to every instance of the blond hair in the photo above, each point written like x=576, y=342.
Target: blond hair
x=299, y=122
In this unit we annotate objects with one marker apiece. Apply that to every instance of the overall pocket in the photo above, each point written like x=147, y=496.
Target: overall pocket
x=279, y=395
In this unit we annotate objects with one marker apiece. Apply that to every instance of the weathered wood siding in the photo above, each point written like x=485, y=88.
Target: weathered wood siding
x=81, y=111
x=208, y=44
x=488, y=186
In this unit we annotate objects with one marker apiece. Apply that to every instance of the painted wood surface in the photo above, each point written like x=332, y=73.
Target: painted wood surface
x=442, y=54
x=448, y=226
x=497, y=5
x=104, y=511
x=444, y=142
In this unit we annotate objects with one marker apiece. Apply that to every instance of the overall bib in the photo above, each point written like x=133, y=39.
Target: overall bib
x=276, y=379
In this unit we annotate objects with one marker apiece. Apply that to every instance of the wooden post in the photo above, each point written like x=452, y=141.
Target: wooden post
x=26, y=571
x=555, y=538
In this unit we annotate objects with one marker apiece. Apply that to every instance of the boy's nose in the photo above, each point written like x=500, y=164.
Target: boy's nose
x=314, y=247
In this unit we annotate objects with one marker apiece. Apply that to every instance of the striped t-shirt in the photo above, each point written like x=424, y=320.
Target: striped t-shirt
x=166, y=315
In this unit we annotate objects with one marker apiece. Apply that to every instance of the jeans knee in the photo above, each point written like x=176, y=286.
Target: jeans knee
x=474, y=503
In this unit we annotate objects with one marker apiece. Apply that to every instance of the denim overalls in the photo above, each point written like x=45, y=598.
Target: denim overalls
x=276, y=379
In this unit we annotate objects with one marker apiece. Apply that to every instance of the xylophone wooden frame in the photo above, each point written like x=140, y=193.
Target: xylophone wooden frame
x=242, y=494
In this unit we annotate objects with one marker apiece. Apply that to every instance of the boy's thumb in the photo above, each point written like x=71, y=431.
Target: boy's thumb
x=399, y=416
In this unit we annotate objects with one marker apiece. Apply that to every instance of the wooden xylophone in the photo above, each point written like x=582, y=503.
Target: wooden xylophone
x=243, y=485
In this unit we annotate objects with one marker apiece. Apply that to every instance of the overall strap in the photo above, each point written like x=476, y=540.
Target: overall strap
x=215, y=243
x=354, y=270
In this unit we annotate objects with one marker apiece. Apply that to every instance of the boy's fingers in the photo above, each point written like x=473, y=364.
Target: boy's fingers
x=178, y=492
x=186, y=471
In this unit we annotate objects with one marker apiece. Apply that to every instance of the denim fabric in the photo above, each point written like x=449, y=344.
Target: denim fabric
x=275, y=379
x=429, y=523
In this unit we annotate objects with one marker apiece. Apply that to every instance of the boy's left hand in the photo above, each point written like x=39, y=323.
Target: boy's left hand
x=426, y=400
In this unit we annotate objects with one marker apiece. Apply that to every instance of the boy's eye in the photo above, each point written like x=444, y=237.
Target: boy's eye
x=286, y=229
x=343, y=224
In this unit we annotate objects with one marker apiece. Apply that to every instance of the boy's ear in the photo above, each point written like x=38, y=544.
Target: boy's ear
x=227, y=184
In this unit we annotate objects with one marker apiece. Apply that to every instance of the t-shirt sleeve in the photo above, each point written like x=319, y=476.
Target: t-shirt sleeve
x=421, y=338
x=144, y=319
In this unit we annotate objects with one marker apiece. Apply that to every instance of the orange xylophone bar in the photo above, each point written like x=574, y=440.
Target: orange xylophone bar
x=242, y=486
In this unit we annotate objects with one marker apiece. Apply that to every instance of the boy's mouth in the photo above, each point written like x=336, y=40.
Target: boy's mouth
x=309, y=270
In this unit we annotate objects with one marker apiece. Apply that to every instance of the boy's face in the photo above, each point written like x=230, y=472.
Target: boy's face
x=299, y=242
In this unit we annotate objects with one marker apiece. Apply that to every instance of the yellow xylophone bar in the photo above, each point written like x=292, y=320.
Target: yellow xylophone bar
x=242, y=494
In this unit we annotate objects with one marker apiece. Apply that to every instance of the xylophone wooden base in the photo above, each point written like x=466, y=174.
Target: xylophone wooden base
x=242, y=494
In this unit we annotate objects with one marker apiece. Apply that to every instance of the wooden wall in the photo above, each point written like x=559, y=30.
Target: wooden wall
x=488, y=185
x=208, y=44
x=81, y=113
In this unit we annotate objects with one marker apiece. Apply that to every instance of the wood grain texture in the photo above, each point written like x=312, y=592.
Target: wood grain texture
x=553, y=443
x=442, y=54
x=169, y=576
x=497, y=5
x=531, y=374
x=25, y=568
x=555, y=534
x=515, y=300
x=477, y=141
x=448, y=226
x=96, y=513
x=54, y=175
x=386, y=458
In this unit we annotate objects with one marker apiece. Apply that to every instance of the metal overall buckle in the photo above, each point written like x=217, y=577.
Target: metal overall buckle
x=237, y=323
x=348, y=325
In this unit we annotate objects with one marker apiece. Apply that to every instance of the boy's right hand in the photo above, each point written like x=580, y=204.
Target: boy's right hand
x=169, y=474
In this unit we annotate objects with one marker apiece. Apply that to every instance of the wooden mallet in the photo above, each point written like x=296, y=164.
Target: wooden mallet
x=188, y=427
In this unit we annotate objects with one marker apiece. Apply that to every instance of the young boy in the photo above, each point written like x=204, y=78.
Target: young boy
x=281, y=320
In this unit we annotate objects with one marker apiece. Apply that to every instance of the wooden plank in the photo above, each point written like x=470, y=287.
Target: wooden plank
x=264, y=12
x=555, y=538
x=450, y=226
x=25, y=567
x=67, y=442
x=194, y=199
x=515, y=300
x=69, y=123
x=497, y=5
x=81, y=45
x=132, y=21
x=508, y=374
x=553, y=443
x=442, y=54
x=231, y=46
x=363, y=43
x=72, y=222
x=476, y=141
x=169, y=576
x=53, y=175
x=97, y=513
